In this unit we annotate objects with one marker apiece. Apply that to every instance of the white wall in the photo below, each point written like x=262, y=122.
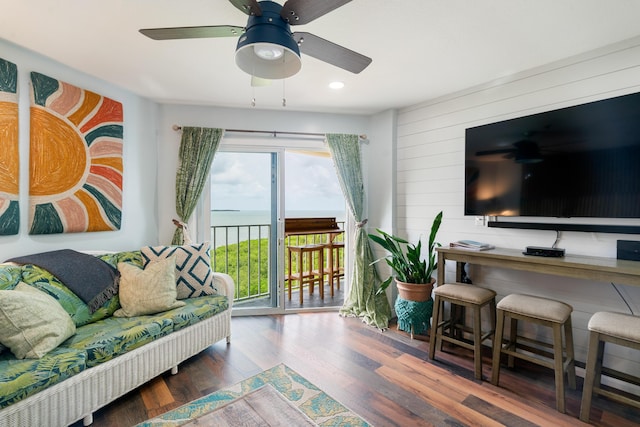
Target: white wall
x=139, y=221
x=430, y=165
x=380, y=170
x=227, y=118
x=380, y=181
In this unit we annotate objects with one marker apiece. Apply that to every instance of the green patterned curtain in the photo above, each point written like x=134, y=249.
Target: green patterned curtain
x=362, y=300
x=197, y=149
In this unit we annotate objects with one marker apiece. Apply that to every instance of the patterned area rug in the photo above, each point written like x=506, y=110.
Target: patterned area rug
x=276, y=397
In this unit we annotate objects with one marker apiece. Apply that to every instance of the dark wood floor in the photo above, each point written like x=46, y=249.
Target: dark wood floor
x=384, y=377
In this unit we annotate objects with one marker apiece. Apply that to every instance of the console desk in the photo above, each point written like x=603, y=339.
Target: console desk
x=581, y=267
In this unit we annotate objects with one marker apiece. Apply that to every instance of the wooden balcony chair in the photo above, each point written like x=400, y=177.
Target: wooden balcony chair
x=335, y=271
x=308, y=272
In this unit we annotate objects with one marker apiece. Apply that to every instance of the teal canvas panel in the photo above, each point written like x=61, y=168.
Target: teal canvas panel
x=108, y=338
x=195, y=310
x=72, y=304
x=10, y=275
x=20, y=379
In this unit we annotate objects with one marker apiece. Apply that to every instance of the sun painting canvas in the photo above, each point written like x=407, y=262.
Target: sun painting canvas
x=75, y=167
x=9, y=157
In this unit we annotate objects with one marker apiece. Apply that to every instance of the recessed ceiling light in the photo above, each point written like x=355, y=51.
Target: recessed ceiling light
x=336, y=85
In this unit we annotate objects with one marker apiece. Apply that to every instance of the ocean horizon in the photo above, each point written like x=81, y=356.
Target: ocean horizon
x=224, y=222
x=262, y=217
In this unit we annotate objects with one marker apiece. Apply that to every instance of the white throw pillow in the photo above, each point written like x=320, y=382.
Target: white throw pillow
x=194, y=277
x=32, y=323
x=147, y=291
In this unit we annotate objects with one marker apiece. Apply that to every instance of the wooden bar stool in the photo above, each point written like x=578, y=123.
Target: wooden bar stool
x=470, y=297
x=307, y=275
x=545, y=312
x=616, y=328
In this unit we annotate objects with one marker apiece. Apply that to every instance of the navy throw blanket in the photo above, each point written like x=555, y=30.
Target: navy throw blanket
x=90, y=278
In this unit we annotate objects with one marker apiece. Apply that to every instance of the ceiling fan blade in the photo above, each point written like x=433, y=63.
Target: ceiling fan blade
x=496, y=151
x=298, y=12
x=250, y=7
x=331, y=53
x=193, y=32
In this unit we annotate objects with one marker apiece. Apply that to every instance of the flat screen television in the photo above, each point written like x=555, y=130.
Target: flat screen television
x=580, y=161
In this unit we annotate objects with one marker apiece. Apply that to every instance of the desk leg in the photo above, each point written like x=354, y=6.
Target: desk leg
x=441, y=268
x=459, y=269
x=441, y=264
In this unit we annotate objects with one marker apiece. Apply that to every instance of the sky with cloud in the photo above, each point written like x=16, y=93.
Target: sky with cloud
x=241, y=181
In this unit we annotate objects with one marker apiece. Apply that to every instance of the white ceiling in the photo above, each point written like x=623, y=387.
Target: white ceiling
x=421, y=49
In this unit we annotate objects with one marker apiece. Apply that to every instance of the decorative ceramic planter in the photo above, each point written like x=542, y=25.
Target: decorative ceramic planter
x=415, y=292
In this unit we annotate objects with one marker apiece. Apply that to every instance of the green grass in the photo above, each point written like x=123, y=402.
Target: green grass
x=251, y=274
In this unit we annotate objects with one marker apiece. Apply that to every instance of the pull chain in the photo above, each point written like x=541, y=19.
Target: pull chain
x=253, y=97
x=284, y=99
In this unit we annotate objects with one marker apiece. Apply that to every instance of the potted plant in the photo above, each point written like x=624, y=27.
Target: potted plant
x=411, y=272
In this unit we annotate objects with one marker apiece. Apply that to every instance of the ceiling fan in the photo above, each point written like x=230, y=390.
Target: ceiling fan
x=267, y=48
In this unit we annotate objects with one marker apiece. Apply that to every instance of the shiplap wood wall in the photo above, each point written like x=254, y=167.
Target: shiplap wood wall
x=430, y=178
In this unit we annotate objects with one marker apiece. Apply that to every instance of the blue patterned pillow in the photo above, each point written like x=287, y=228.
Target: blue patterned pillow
x=193, y=267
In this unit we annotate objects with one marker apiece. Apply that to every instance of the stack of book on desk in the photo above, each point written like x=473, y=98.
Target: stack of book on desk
x=471, y=245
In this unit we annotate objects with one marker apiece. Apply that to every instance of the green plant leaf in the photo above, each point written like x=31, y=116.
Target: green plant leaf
x=405, y=259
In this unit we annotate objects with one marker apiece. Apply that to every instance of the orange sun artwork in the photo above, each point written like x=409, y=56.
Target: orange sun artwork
x=75, y=165
x=9, y=159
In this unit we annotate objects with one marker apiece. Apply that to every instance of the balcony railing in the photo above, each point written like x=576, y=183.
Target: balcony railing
x=242, y=251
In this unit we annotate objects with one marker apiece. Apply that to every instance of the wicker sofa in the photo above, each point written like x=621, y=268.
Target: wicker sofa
x=85, y=376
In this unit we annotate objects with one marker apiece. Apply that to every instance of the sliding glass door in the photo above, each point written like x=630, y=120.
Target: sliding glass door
x=245, y=208
x=312, y=192
x=254, y=189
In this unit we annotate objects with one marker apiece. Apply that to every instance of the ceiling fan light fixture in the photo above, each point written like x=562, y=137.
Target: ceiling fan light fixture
x=527, y=152
x=267, y=48
x=268, y=51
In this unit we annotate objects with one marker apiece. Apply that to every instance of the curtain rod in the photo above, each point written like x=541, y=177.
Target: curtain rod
x=274, y=133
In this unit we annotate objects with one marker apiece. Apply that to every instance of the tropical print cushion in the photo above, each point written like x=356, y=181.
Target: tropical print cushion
x=107, y=338
x=195, y=310
x=20, y=379
x=77, y=309
x=10, y=275
x=130, y=257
